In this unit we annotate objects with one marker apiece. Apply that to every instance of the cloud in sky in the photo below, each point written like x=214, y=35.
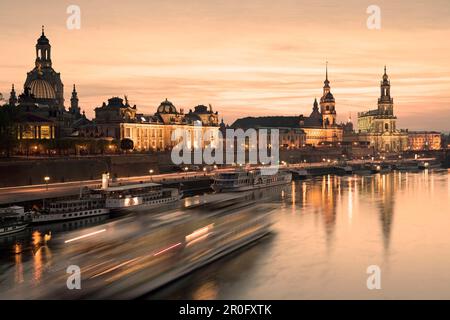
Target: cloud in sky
x=256, y=57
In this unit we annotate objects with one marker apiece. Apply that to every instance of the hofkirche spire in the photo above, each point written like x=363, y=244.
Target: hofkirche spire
x=385, y=102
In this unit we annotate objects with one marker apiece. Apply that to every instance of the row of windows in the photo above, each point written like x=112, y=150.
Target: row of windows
x=74, y=204
x=85, y=213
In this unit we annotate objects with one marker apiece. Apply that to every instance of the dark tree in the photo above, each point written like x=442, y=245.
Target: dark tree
x=126, y=144
x=8, y=129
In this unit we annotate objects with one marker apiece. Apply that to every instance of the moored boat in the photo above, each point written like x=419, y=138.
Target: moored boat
x=422, y=165
x=299, y=173
x=61, y=209
x=11, y=227
x=344, y=169
x=138, y=197
x=380, y=168
x=249, y=179
x=11, y=220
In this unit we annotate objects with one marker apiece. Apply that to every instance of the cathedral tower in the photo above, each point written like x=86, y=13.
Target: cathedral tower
x=385, y=102
x=327, y=104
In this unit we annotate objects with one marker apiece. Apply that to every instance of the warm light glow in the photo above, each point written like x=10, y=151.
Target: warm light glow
x=254, y=59
x=199, y=232
x=167, y=249
x=85, y=236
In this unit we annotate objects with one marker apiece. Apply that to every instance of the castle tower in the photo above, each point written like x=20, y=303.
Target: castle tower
x=327, y=104
x=385, y=102
x=74, y=108
x=12, y=97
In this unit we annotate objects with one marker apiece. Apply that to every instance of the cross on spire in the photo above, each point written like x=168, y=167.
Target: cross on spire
x=326, y=82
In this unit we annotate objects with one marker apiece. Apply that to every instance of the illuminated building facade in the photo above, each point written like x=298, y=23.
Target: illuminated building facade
x=118, y=120
x=319, y=128
x=424, y=140
x=378, y=127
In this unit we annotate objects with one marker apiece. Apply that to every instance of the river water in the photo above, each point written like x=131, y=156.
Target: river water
x=328, y=230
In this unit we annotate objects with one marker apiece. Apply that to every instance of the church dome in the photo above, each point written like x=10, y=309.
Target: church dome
x=167, y=107
x=328, y=97
x=41, y=89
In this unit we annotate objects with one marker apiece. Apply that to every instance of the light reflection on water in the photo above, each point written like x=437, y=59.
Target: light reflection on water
x=329, y=230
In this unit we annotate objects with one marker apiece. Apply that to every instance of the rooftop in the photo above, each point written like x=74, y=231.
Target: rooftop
x=132, y=186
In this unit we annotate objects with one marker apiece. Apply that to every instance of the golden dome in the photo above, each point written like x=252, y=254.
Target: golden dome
x=41, y=89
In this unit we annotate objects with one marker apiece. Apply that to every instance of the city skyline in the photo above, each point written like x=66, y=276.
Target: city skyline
x=264, y=70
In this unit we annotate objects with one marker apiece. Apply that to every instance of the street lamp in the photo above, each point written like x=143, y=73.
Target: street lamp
x=46, y=179
x=151, y=172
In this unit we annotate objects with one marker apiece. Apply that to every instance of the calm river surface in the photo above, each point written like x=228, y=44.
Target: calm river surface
x=328, y=231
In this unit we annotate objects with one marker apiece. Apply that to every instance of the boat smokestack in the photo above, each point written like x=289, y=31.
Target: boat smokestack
x=105, y=180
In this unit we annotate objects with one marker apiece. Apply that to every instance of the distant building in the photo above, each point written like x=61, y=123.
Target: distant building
x=319, y=128
x=378, y=127
x=290, y=135
x=424, y=140
x=118, y=120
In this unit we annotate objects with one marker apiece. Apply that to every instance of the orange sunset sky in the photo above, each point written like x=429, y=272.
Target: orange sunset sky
x=246, y=57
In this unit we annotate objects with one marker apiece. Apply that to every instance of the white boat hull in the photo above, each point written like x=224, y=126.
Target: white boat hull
x=52, y=217
x=12, y=229
x=221, y=188
x=146, y=205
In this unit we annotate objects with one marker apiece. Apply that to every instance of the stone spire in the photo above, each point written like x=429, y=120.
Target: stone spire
x=385, y=101
x=12, y=96
x=315, y=105
x=385, y=87
x=74, y=108
x=326, y=87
